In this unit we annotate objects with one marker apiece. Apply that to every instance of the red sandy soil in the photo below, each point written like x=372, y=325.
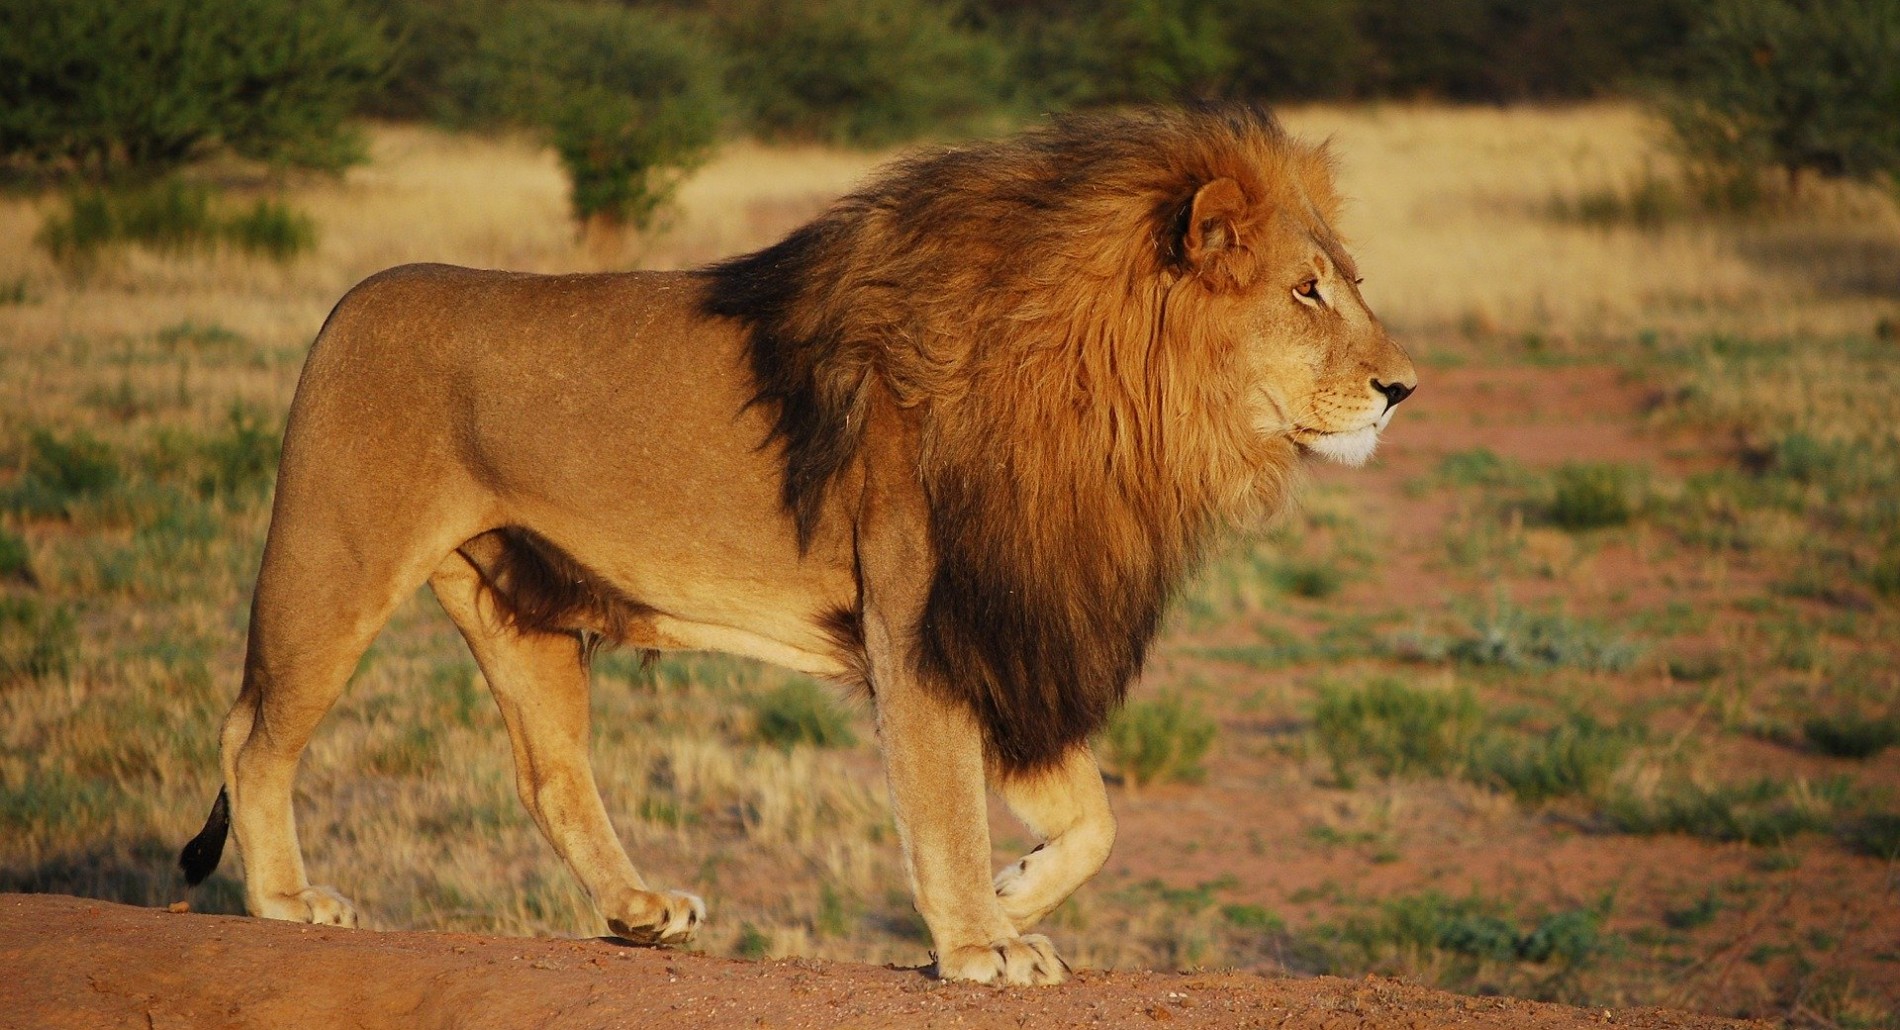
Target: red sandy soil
x=74, y=963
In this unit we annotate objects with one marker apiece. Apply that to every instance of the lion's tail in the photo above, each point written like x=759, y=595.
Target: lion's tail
x=201, y=855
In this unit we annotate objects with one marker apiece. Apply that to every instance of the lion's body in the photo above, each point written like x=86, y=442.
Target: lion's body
x=652, y=478
x=956, y=441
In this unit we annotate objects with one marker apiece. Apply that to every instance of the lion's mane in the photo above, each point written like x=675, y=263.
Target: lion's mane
x=1077, y=378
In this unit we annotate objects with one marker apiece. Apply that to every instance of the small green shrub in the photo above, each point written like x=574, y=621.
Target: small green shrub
x=16, y=562
x=170, y=216
x=1310, y=579
x=61, y=472
x=1851, y=735
x=1804, y=458
x=1877, y=835
x=802, y=712
x=1514, y=638
x=1762, y=812
x=191, y=336
x=271, y=228
x=1409, y=929
x=1649, y=201
x=37, y=641
x=1252, y=918
x=751, y=944
x=241, y=460
x=1575, y=757
x=1479, y=466
x=1395, y=730
x=1592, y=496
x=1152, y=741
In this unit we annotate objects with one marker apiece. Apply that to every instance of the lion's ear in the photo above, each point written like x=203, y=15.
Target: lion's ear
x=1213, y=222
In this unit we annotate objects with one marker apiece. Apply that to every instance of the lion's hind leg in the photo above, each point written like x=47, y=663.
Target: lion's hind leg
x=1067, y=807
x=539, y=679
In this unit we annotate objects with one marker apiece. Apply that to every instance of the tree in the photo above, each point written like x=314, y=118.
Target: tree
x=629, y=98
x=1800, y=85
x=110, y=89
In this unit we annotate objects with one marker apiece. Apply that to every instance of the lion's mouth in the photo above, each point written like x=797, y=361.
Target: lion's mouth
x=1350, y=447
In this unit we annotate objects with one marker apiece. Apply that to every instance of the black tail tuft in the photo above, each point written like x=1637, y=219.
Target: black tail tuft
x=200, y=857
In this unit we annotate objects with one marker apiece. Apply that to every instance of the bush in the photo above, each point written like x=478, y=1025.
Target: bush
x=37, y=642
x=1575, y=757
x=628, y=97
x=1517, y=639
x=864, y=72
x=1152, y=741
x=801, y=712
x=1764, y=811
x=170, y=216
x=107, y=88
x=16, y=562
x=1592, y=496
x=1395, y=730
x=61, y=472
x=1799, y=85
x=1851, y=735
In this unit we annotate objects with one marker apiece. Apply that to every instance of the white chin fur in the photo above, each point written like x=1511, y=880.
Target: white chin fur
x=1351, y=449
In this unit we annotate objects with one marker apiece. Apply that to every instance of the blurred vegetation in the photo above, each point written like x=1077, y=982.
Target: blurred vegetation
x=109, y=89
x=1797, y=85
x=171, y=215
x=632, y=95
x=1157, y=741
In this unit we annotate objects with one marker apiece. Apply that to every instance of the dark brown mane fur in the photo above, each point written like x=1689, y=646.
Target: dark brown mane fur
x=1078, y=380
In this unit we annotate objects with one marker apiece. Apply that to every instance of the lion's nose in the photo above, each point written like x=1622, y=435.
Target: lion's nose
x=1394, y=392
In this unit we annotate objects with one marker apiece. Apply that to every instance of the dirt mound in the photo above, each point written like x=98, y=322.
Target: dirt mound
x=72, y=962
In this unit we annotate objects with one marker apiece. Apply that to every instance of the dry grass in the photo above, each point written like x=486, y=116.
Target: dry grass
x=107, y=758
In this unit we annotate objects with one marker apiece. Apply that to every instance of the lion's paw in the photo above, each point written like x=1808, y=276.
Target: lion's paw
x=657, y=917
x=1024, y=961
x=320, y=905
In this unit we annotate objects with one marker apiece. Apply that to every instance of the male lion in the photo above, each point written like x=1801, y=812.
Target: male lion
x=954, y=442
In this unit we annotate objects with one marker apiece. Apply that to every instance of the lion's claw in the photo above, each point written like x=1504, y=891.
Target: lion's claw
x=1025, y=961
x=658, y=918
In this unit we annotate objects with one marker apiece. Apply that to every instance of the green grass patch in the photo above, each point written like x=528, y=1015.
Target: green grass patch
x=63, y=470
x=802, y=712
x=16, y=561
x=1480, y=467
x=1877, y=834
x=1764, y=811
x=1393, y=729
x=171, y=216
x=1576, y=757
x=1851, y=734
x=1514, y=638
x=1467, y=943
x=38, y=640
x=1592, y=495
x=1159, y=740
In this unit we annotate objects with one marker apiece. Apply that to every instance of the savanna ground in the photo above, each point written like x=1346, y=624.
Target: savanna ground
x=1585, y=690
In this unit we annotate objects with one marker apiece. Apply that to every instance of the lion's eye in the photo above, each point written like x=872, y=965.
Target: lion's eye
x=1308, y=290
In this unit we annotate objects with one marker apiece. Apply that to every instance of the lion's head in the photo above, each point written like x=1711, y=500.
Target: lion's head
x=1116, y=334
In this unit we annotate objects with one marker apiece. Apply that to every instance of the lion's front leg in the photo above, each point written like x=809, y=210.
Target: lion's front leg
x=933, y=754
x=1067, y=807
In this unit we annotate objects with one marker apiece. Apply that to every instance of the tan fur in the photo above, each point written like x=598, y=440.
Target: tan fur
x=956, y=441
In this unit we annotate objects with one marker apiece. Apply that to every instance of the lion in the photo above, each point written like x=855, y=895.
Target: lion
x=953, y=443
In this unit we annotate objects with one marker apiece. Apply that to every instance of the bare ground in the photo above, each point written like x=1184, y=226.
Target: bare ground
x=71, y=962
